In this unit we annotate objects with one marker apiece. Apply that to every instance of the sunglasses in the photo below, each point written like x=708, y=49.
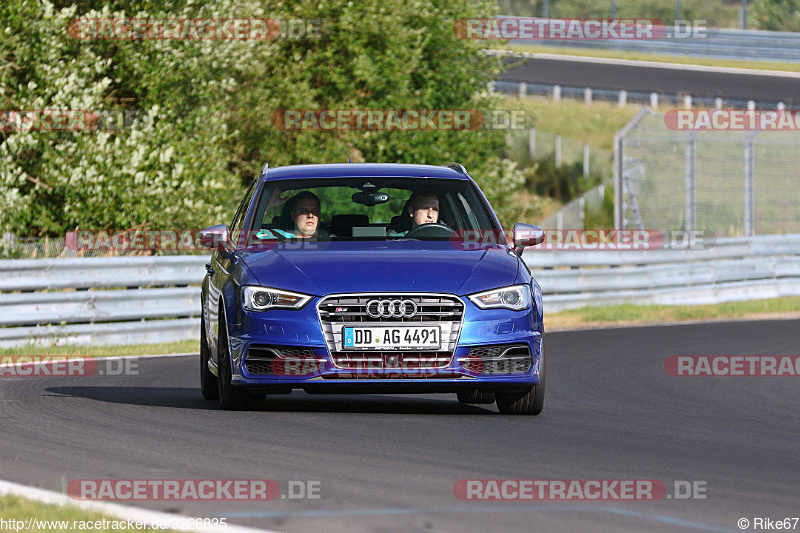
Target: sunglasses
x=306, y=212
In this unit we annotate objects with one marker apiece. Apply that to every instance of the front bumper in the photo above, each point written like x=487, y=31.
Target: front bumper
x=311, y=368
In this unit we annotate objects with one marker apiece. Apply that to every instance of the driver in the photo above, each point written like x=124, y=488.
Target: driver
x=423, y=208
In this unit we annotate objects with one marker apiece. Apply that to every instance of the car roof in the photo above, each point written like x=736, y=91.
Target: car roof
x=358, y=170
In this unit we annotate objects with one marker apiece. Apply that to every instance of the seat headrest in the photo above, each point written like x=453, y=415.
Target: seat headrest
x=342, y=225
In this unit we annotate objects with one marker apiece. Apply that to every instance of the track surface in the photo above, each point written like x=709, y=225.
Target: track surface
x=391, y=461
x=651, y=79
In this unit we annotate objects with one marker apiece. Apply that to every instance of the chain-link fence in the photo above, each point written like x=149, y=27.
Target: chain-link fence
x=591, y=210
x=531, y=146
x=556, y=153
x=733, y=183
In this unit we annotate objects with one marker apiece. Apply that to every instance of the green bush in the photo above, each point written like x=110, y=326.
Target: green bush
x=776, y=15
x=563, y=183
x=203, y=127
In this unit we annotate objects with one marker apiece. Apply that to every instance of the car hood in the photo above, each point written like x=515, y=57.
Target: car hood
x=414, y=266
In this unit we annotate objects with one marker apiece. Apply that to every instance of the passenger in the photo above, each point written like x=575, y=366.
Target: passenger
x=304, y=211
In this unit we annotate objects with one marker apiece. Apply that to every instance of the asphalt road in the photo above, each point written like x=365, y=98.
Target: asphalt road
x=390, y=462
x=569, y=73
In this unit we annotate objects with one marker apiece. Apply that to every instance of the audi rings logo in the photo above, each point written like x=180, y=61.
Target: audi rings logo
x=391, y=308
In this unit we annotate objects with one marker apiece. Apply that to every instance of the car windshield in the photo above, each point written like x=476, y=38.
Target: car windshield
x=341, y=209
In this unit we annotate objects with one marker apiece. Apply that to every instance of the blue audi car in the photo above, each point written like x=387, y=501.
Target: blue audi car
x=371, y=278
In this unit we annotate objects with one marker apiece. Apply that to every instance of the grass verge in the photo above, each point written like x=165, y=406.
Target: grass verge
x=106, y=351
x=628, y=314
x=47, y=517
x=595, y=124
x=641, y=56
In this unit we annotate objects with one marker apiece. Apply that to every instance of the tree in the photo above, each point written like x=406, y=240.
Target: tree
x=201, y=109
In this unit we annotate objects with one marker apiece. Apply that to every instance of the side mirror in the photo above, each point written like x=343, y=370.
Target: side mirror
x=526, y=235
x=214, y=237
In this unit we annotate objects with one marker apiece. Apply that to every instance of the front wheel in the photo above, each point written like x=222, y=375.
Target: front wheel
x=208, y=381
x=530, y=402
x=231, y=397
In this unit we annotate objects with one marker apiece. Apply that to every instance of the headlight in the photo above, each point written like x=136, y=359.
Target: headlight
x=516, y=298
x=264, y=299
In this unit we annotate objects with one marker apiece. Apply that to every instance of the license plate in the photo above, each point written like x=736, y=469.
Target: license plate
x=393, y=338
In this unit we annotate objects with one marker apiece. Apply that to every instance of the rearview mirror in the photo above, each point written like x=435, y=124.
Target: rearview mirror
x=370, y=198
x=214, y=237
x=526, y=235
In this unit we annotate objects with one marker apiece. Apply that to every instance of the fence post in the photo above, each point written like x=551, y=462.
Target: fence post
x=718, y=103
x=751, y=105
x=558, y=151
x=748, y=185
x=532, y=143
x=623, y=98
x=691, y=216
x=491, y=87
x=585, y=160
x=654, y=100
x=587, y=96
x=582, y=212
x=556, y=93
x=618, y=169
x=523, y=90
x=687, y=101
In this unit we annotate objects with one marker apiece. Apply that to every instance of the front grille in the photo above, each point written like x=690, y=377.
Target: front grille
x=279, y=360
x=343, y=310
x=392, y=375
x=499, y=359
x=390, y=360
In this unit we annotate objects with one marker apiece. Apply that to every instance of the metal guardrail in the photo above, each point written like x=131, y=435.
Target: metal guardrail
x=730, y=270
x=522, y=89
x=752, y=45
x=120, y=300
x=140, y=300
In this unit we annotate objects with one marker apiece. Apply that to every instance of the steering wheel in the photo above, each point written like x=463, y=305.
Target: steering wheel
x=430, y=231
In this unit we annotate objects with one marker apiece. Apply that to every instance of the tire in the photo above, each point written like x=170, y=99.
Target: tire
x=475, y=396
x=231, y=397
x=208, y=381
x=530, y=402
